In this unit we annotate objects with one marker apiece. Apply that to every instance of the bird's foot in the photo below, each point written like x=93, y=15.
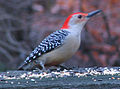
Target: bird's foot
x=38, y=70
x=62, y=67
x=41, y=71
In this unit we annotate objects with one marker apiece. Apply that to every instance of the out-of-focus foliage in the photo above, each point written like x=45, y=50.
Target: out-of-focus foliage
x=24, y=23
x=15, y=25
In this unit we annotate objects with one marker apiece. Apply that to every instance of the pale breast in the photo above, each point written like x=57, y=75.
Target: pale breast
x=64, y=52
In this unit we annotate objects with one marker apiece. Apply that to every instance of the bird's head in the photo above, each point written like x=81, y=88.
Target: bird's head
x=78, y=19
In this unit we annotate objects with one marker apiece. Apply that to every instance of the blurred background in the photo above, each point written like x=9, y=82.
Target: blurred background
x=25, y=23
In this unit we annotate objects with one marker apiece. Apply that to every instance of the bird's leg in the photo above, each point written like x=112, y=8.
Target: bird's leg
x=42, y=63
x=37, y=70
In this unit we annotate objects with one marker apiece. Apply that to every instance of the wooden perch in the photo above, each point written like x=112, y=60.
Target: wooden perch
x=87, y=78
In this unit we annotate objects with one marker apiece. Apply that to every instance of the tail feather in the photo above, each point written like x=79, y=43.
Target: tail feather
x=27, y=60
x=21, y=67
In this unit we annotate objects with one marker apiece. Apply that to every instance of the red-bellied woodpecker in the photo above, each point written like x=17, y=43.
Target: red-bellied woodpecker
x=61, y=44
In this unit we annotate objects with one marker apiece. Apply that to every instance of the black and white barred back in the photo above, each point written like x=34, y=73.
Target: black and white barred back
x=54, y=40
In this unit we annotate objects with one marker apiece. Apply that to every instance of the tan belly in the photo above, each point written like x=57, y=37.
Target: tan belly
x=63, y=53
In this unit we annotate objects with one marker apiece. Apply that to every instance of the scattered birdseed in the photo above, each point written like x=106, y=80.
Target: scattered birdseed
x=118, y=78
x=6, y=81
x=8, y=72
x=29, y=73
x=27, y=78
x=0, y=75
x=27, y=82
x=12, y=82
x=80, y=72
x=52, y=78
x=32, y=79
x=35, y=82
x=18, y=82
x=113, y=77
x=23, y=75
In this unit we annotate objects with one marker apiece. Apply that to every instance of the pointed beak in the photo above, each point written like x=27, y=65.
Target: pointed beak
x=93, y=13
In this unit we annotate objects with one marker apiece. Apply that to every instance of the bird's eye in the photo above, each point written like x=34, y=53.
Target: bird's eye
x=79, y=16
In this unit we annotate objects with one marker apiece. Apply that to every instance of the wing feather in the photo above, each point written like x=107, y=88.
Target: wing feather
x=53, y=41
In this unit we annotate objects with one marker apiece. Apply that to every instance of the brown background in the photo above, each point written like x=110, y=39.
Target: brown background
x=24, y=23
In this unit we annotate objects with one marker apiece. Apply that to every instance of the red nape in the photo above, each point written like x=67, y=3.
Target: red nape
x=65, y=25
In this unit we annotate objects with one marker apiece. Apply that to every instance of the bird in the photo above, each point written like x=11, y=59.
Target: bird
x=60, y=45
